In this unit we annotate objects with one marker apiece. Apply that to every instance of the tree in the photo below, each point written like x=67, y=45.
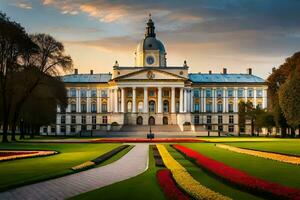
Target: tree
x=14, y=43
x=242, y=116
x=289, y=99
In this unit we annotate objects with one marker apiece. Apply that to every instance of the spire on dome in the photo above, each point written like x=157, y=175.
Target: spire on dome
x=150, y=28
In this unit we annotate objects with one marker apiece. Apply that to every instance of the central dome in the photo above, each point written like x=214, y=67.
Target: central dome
x=150, y=43
x=150, y=52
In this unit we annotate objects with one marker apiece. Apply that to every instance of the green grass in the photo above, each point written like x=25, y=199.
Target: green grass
x=274, y=171
x=143, y=186
x=208, y=180
x=29, y=170
x=247, y=139
x=285, y=147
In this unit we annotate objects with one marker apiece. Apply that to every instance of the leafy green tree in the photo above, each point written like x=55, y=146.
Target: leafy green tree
x=289, y=99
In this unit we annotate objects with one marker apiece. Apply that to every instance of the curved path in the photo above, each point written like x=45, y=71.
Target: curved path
x=130, y=165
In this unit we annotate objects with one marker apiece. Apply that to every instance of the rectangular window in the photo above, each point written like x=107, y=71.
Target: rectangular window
x=209, y=127
x=208, y=107
x=94, y=126
x=240, y=92
x=220, y=107
x=250, y=93
x=73, y=107
x=83, y=127
x=63, y=119
x=196, y=119
x=230, y=107
x=231, y=119
x=151, y=93
x=94, y=93
x=103, y=93
x=220, y=119
x=220, y=128
x=73, y=129
x=104, y=107
x=129, y=93
x=219, y=93
x=196, y=93
x=196, y=107
x=259, y=93
x=53, y=129
x=73, y=119
x=94, y=120
x=208, y=119
x=62, y=109
x=83, y=93
x=83, y=107
x=208, y=92
x=230, y=92
x=104, y=120
x=62, y=129
x=166, y=93
x=230, y=128
x=45, y=129
x=83, y=119
x=72, y=92
x=94, y=108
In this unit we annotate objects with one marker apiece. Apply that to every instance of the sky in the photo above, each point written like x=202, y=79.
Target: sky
x=208, y=34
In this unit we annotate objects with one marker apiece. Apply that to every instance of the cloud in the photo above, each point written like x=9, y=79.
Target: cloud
x=23, y=5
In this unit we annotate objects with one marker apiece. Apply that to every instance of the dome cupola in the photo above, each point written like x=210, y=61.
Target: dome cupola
x=150, y=52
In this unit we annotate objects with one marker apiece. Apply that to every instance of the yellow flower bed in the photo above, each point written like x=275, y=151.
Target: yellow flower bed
x=185, y=180
x=30, y=155
x=83, y=165
x=272, y=156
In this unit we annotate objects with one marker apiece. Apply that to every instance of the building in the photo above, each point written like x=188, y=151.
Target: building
x=153, y=93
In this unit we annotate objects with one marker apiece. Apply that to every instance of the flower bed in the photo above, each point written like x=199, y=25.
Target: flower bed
x=185, y=180
x=6, y=155
x=240, y=178
x=167, y=184
x=100, y=159
x=157, y=158
x=155, y=140
x=268, y=155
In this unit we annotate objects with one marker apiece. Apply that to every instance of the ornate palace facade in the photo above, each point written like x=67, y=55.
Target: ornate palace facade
x=153, y=93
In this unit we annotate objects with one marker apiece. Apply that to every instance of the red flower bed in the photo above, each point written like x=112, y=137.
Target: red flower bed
x=6, y=154
x=240, y=178
x=170, y=140
x=168, y=185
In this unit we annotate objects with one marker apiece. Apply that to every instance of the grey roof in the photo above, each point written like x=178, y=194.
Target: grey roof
x=150, y=43
x=86, y=78
x=225, y=78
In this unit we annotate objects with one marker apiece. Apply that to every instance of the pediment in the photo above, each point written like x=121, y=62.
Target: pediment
x=150, y=74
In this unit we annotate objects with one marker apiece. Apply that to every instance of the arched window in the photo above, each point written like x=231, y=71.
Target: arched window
x=166, y=106
x=151, y=106
x=129, y=106
x=139, y=120
x=140, y=106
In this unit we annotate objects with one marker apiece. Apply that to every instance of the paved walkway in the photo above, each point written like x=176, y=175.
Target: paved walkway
x=130, y=165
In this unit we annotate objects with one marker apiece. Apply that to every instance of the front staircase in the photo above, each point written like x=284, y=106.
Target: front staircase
x=146, y=128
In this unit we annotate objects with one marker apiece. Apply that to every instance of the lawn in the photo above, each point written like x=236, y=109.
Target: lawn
x=285, y=147
x=143, y=186
x=25, y=171
x=274, y=171
x=209, y=181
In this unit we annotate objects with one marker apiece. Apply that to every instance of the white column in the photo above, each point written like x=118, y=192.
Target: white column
x=173, y=100
x=78, y=101
x=245, y=94
x=88, y=101
x=181, y=101
x=159, y=107
x=264, y=99
x=254, y=98
x=110, y=100
x=134, y=100
x=122, y=100
x=214, y=100
x=201, y=99
x=192, y=101
x=224, y=99
x=204, y=100
x=185, y=100
x=145, y=100
x=98, y=93
x=116, y=100
x=188, y=100
x=235, y=94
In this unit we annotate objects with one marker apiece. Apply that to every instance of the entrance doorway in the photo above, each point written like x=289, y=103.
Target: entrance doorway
x=151, y=121
x=139, y=120
x=165, y=121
